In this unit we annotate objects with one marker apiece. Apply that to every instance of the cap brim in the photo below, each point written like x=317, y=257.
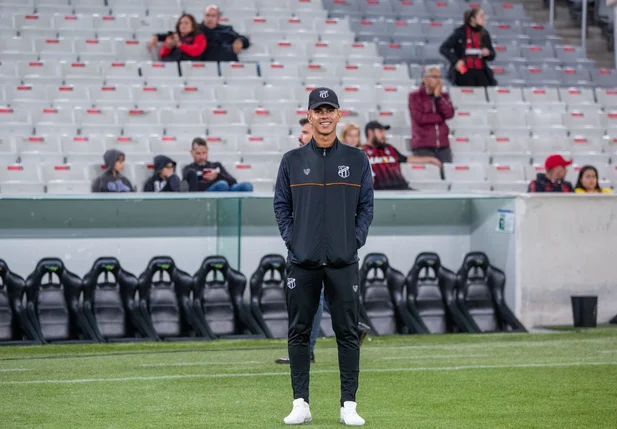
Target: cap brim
x=568, y=163
x=323, y=103
x=386, y=127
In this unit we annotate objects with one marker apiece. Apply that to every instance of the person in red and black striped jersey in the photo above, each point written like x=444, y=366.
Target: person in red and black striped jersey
x=554, y=178
x=468, y=49
x=187, y=44
x=386, y=160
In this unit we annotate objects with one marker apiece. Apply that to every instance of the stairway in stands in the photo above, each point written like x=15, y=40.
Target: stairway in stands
x=567, y=28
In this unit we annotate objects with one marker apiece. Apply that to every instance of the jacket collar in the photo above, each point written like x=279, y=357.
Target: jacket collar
x=320, y=150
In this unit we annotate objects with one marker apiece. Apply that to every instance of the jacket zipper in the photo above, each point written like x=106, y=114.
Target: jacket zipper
x=436, y=125
x=323, y=220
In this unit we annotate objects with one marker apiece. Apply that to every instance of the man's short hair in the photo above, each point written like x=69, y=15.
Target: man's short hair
x=198, y=141
x=303, y=122
x=427, y=69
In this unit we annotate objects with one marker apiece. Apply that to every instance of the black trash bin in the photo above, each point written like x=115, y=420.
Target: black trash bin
x=585, y=311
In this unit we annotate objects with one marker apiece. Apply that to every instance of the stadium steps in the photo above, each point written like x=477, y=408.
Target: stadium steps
x=570, y=31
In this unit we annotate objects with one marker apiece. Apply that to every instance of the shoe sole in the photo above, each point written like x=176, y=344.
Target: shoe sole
x=347, y=424
x=296, y=424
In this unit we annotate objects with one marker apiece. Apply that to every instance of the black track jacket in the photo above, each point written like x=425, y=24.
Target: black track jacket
x=323, y=203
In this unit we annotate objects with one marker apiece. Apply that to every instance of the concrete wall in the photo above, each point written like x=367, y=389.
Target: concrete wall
x=562, y=244
x=566, y=245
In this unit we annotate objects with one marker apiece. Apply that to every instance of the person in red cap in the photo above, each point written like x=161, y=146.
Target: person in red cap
x=554, y=178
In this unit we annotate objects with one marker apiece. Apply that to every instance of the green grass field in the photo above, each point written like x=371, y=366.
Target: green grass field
x=558, y=380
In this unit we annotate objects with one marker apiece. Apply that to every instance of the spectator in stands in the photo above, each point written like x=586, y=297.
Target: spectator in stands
x=554, y=178
x=386, y=160
x=350, y=135
x=468, y=49
x=186, y=44
x=112, y=179
x=588, y=182
x=203, y=175
x=429, y=108
x=224, y=44
x=164, y=178
x=306, y=132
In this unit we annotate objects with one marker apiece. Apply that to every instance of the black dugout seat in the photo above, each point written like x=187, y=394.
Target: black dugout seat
x=54, y=308
x=480, y=296
x=268, y=304
x=165, y=302
x=110, y=303
x=429, y=299
x=15, y=326
x=218, y=300
x=378, y=280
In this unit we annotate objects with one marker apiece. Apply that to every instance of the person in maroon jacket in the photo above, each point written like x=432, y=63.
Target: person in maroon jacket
x=429, y=108
x=186, y=44
x=554, y=178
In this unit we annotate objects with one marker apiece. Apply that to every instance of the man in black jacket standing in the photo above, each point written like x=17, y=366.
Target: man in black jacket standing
x=323, y=204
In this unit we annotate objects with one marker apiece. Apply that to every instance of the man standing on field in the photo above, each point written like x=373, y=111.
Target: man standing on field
x=323, y=204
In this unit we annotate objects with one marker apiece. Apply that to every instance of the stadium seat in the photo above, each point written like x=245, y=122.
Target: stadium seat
x=110, y=302
x=218, y=300
x=509, y=147
x=81, y=72
x=429, y=301
x=164, y=300
x=131, y=49
x=15, y=328
x=378, y=281
x=464, y=97
x=604, y=77
x=480, y=297
x=140, y=121
x=200, y=72
x=121, y=72
x=607, y=97
x=39, y=149
x=505, y=96
x=97, y=121
x=268, y=303
x=54, y=306
x=8, y=151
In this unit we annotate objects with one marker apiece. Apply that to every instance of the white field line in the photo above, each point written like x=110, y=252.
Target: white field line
x=322, y=371
x=432, y=357
x=489, y=345
x=14, y=369
x=156, y=365
x=608, y=351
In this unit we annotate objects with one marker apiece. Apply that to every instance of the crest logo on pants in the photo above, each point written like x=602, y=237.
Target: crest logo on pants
x=291, y=283
x=343, y=171
x=355, y=288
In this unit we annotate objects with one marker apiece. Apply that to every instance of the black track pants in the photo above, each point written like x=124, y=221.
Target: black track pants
x=341, y=294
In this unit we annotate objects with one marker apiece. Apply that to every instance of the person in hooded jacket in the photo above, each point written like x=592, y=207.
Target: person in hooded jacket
x=468, y=50
x=164, y=178
x=188, y=43
x=112, y=179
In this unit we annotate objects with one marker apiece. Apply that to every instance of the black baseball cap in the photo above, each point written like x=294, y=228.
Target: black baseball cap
x=320, y=96
x=375, y=125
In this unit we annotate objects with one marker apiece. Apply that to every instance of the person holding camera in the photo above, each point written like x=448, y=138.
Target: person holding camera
x=468, y=49
x=187, y=44
x=203, y=175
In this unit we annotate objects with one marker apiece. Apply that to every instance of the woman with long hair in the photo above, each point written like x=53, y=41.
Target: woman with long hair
x=350, y=135
x=588, y=182
x=468, y=49
x=186, y=44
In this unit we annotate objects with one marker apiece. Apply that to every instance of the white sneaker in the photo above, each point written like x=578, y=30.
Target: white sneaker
x=300, y=414
x=349, y=416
